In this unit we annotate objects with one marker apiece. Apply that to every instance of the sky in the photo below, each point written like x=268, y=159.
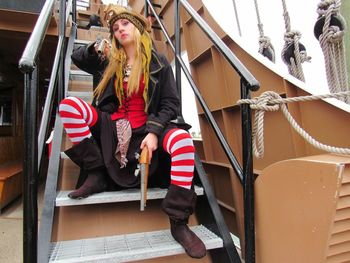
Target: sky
x=302, y=15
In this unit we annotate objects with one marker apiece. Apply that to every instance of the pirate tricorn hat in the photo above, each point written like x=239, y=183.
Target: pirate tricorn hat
x=115, y=12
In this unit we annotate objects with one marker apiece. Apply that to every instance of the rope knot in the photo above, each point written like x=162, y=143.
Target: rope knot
x=334, y=34
x=292, y=36
x=272, y=101
x=327, y=6
x=264, y=41
x=266, y=102
x=304, y=57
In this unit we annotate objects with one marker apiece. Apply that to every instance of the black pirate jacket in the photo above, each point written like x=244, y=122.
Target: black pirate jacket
x=162, y=110
x=163, y=99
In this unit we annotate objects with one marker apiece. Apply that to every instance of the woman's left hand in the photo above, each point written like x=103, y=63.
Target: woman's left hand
x=151, y=141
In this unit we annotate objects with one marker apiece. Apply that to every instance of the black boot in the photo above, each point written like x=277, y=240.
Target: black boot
x=179, y=204
x=87, y=156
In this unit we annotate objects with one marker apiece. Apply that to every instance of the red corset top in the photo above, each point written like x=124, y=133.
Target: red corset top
x=133, y=108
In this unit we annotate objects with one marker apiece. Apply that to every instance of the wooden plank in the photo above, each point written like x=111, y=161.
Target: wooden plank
x=10, y=169
x=10, y=182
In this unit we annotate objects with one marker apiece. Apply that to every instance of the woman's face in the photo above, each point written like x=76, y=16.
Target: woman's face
x=123, y=31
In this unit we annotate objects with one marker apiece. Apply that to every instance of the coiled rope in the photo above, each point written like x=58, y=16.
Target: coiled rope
x=272, y=101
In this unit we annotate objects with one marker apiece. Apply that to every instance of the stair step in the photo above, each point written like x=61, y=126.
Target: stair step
x=77, y=72
x=100, y=28
x=126, y=248
x=84, y=95
x=64, y=156
x=133, y=194
x=82, y=42
x=79, y=75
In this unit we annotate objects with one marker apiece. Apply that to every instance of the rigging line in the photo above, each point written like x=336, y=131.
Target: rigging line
x=237, y=19
x=293, y=52
x=260, y=25
x=330, y=30
x=265, y=45
x=286, y=16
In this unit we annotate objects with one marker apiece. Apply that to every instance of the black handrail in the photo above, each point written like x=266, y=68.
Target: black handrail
x=49, y=99
x=229, y=246
x=177, y=47
x=248, y=84
x=231, y=157
x=27, y=65
x=253, y=84
x=47, y=216
x=53, y=82
x=32, y=49
x=34, y=144
x=248, y=182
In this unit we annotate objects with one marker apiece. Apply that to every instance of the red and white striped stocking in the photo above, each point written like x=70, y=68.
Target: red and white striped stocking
x=77, y=116
x=178, y=143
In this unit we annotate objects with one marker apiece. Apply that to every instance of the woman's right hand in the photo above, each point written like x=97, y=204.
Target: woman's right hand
x=151, y=141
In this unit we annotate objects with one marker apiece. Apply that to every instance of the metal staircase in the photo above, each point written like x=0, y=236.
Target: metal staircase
x=108, y=227
x=108, y=248
x=127, y=248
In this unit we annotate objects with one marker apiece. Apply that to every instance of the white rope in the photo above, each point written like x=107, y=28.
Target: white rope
x=293, y=37
x=332, y=44
x=272, y=101
x=264, y=41
x=237, y=19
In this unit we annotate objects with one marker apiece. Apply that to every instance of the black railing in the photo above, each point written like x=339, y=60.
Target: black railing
x=28, y=65
x=209, y=116
x=248, y=83
x=34, y=141
x=48, y=211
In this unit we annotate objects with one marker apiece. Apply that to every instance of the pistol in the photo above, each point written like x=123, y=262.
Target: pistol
x=101, y=46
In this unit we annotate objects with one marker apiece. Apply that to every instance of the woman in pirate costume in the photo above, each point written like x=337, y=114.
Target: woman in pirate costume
x=133, y=107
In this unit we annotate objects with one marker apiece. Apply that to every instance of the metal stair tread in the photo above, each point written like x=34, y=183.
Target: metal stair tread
x=128, y=247
x=77, y=72
x=81, y=94
x=133, y=194
x=82, y=42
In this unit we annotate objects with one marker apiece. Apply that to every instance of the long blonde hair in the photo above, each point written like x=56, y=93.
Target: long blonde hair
x=117, y=62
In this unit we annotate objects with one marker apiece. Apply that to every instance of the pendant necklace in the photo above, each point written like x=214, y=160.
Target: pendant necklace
x=127, y=71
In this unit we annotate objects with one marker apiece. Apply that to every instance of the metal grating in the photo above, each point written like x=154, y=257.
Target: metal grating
x=126, y=248
x=133, y=194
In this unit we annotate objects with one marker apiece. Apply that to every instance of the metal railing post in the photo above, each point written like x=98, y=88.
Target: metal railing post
x=146, y=13
x=62, y=33
x=248, y=83
x=248, y=176
x=27, y=65
x=30, y=168
x=177, y=49
x=74, y=11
